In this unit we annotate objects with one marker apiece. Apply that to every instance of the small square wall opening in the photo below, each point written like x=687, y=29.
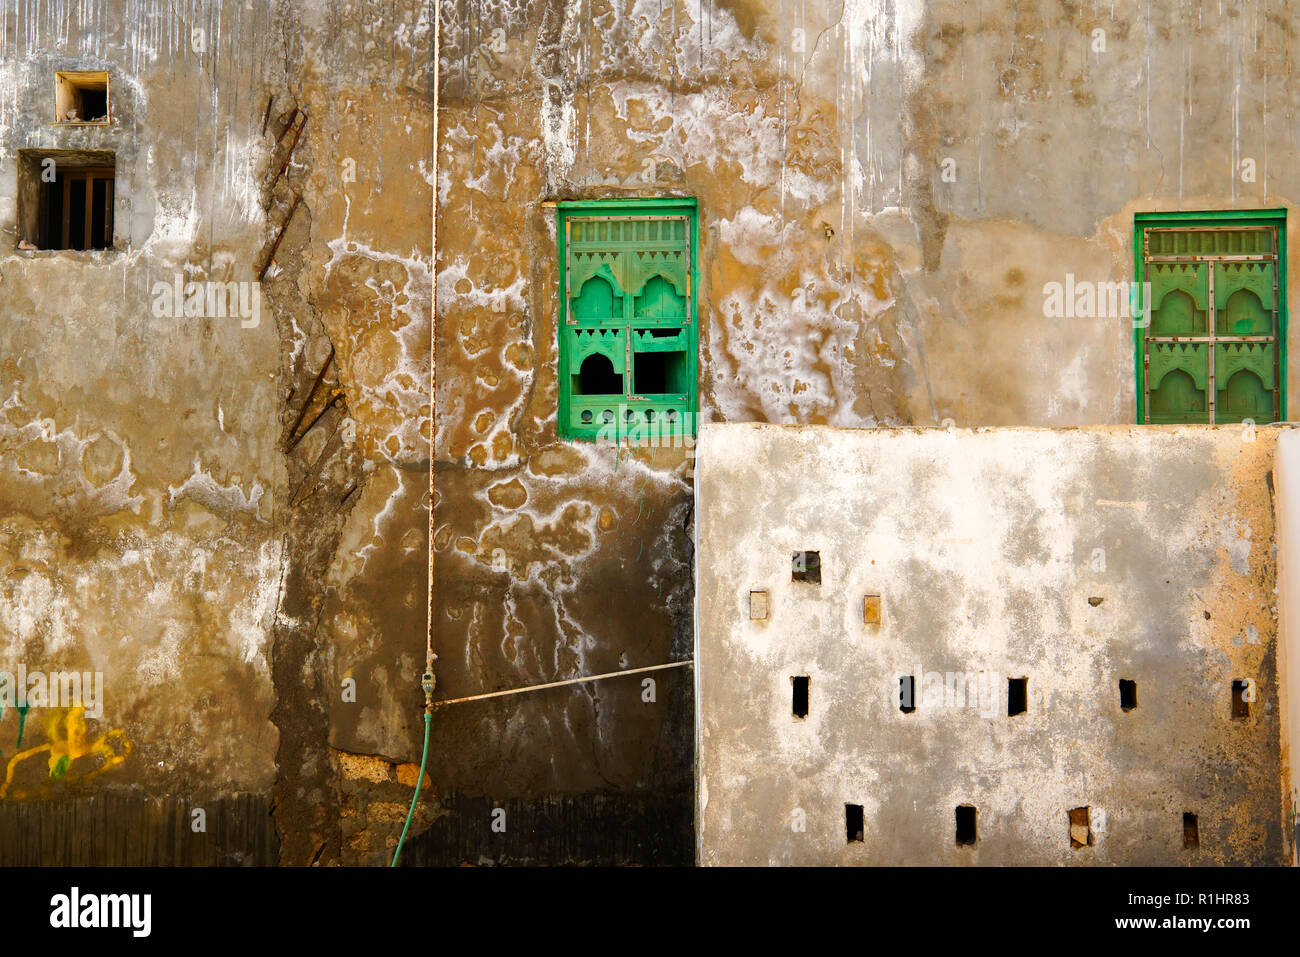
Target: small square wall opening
x=660, y=373
x=966, y=832
x=907, y=694
x=758, y=609
x=1242, y=692
x=806, y=567
x=871, y=610
x=799, y=705
x=1081, y=827
x=853, y=828
x=1017, y=696
x=1128, y=694
x=81, y=97
x=1191, y=831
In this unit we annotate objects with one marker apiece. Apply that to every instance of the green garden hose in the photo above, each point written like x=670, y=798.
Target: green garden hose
x=418, y=781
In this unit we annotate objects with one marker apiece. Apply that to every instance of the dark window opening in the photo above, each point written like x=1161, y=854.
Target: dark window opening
x=94, y=105
x=1017, y=696
x=66, y=199
x=1191, y=831
x=1240, y=700
x=853, y=823
x=597, y=377
x=907, y=694
x=966, y=833
x=74, y=205
x=800, y=704
x=78, y=210
x=1128, y=694
x=806, y=567
x=659, y=373
x=81, y=96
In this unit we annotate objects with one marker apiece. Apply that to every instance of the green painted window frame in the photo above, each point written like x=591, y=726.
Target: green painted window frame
x=1274, y=217
x=675, y=414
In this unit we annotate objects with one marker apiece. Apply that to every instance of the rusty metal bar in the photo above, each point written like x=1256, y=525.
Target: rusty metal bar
x=293, y=117
x=302, y=414
x=270, y=258
x=289, y=155
x=334, y=403
x=1211, y=257
x=427, y=680
x=311, y=476
x=1210, y=339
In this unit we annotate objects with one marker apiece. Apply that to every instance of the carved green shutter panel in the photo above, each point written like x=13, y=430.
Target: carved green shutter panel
x=627, y=332
x=1213, y=350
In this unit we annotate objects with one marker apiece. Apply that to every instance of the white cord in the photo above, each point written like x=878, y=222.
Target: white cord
x=570, y=681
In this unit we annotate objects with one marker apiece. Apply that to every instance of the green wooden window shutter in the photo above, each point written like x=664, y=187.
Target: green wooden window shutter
x=1214, y=349
x=629, y=300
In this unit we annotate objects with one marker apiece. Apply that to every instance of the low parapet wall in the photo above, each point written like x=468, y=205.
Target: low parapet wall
x=1010, y=646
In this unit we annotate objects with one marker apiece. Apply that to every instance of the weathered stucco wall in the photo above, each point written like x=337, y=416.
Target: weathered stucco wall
x=1286, y=477
x=191, y=505
x=1072, y=558
x=138, y=475
x=884, y=189
x=166, y=512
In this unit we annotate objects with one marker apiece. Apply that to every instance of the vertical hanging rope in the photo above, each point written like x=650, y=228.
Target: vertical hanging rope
x=427, y=681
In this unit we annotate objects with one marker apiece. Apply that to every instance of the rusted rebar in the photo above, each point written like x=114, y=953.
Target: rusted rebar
x=289, y=155
x=270, y=257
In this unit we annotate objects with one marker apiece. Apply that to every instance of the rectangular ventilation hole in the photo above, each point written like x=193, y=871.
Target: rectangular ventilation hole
x=758, y=606
x=1017, y=696
x=907, y=694
x=1191, y=831
x=1242, y=692
x=81, y=96
x=1080, y=827
x=1128, y=694
x=966, y=834
x=800, y=705
x=853, y=822
x=806, y=567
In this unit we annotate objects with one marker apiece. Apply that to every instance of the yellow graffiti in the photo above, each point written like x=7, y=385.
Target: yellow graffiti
x=66, y=741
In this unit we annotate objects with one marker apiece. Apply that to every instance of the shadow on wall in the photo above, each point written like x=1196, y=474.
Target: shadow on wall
x=645, y=829
x=126, y=830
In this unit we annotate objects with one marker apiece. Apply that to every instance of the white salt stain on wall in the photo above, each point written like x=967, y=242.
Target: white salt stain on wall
x=111, y=496
x=253, y=617
x=456, y=284
x=203, y=488
x=404, y=385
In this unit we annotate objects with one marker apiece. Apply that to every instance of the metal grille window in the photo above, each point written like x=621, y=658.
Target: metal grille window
x=629, y=283
x=1214, y=349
